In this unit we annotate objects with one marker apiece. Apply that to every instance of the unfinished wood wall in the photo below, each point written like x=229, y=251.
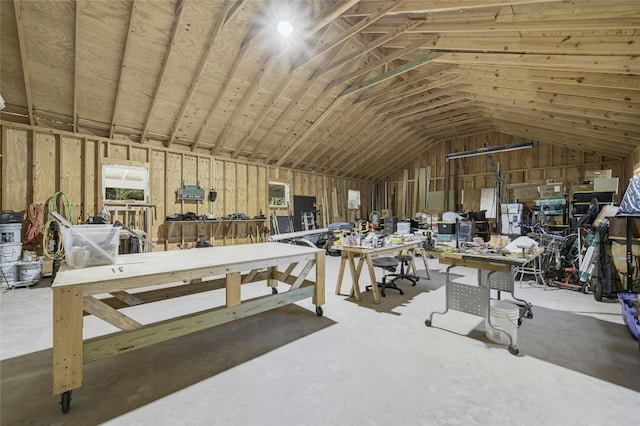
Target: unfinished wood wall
x=543, y=162
x=37, y=163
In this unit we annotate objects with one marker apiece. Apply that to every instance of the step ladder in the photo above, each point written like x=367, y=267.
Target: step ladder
x=308, y=221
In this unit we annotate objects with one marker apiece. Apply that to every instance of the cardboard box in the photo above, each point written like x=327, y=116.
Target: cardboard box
x=618, y=227
x=583, y=187
x=554, y=190
x=605, y=185
x=527, y=193
x=590, y=175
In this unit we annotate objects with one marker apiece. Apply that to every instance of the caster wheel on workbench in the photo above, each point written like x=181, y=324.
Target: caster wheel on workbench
x=519, y=322
x=65, y=401
x=427, y=323
x=319, y=311
x=513, y=350
x=529, y=315
x=274, y=290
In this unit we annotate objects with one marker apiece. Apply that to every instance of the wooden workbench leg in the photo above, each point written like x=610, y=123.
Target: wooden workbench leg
x=426, y=265
x=272, y=282
x=355, y=276
x=372, y=277
x=343, y=260
x=318, y=295
x=67, y=339
x=234, y=281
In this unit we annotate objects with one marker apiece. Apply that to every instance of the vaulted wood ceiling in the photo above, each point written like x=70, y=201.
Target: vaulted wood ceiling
x=355, y=81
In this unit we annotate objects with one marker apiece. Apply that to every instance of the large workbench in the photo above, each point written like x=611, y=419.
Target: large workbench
x=184, y=272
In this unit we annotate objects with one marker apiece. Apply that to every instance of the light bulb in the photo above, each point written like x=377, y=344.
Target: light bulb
x=285, y=28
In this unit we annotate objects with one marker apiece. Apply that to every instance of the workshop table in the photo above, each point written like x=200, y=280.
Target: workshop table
x=184, y=272
x=495, y=271
x=366, y=255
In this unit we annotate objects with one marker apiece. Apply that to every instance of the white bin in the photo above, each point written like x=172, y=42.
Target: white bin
x=504, y=315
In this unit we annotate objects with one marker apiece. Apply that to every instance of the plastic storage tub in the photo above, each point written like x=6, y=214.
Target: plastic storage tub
x=90, y=245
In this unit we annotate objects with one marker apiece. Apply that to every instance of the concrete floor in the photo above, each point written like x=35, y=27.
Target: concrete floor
x=359, y=364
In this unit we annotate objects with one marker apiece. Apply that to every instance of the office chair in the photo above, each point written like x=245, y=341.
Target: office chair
x=388, y=264
x=404, y=260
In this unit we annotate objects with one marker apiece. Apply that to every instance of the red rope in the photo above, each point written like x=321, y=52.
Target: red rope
x=35, y=213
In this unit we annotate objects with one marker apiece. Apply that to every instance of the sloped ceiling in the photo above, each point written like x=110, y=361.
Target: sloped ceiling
x=356, y=79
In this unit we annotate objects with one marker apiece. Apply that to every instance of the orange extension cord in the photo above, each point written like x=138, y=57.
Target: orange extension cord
x=35, y=213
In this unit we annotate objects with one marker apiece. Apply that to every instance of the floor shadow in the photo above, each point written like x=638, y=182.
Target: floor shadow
x=117, y=385
x=394, y=299
x=588, y=345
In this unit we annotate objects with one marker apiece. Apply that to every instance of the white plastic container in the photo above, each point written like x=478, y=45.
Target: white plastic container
x=8, y=274
x=90, y=245
x=29, y=272
x=10, y=233
x=10, y=252
x=504, y=315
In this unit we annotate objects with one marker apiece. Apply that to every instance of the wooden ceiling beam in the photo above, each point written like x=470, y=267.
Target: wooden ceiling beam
x=553, y=138
x=590, y=78
x=195, y=80
x=333, y=14
x=334, y=137
x=426, y=71
x=163, y=68
x=76, y=79
x=570, y=115
x=623, y=64
x=628, y=140
x=23, y=57
x=569, y=44
x=244, y=50
x=377, y=64
x=319, y=24
x=258, y=122
x=576, y=101
x=626, y=95
x=428, y=95
x=434, y=6
x=365, y=49
x=353, y=30
x=285, y=114
x=123, y=66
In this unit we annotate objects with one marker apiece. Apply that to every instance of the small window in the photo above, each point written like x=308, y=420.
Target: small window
x=278, y=194
x=354, y=199
x=125, y=183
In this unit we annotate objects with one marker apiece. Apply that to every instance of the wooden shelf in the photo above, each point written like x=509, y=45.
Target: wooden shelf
x=218, y=231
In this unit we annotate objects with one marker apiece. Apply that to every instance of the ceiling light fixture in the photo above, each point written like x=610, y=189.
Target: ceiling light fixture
x=285, y=28
x=490, y=150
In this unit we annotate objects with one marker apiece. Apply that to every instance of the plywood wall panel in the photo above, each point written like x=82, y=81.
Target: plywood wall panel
x=190, y=177
x=118, y=151
x=139, y=154
x=173, y=180
x=261, y=191
x=71, y=176
x=219, y=185
x=44, y=168
x=157, y=181
x=230, y=188
x=91, y=190
x=15, y=174
x=58, y=160
x=242, y=197
x=204, y=179
x=253, y=206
